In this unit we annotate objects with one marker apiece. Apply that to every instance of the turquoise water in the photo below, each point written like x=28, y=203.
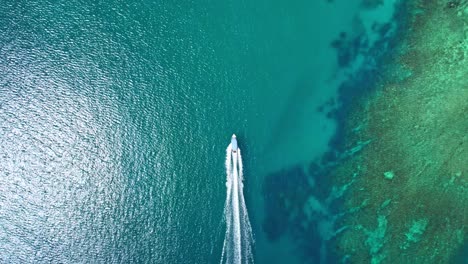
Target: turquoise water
x=115, y=117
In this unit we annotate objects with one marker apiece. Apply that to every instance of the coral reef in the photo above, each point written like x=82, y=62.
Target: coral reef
x=394, y=187
x=413, y=173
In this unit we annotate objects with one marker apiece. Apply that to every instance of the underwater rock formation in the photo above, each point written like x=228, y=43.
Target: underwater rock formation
x=413, y=173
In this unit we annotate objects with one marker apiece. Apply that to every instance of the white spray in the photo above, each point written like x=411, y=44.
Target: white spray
x=238, y=241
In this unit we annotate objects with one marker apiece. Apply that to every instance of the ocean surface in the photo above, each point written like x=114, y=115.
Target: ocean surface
x=115, y=117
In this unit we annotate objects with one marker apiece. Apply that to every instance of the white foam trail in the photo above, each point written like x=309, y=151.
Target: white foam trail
x=238, y=242
x=247, y=235
x=236, y=212
x=227, y=206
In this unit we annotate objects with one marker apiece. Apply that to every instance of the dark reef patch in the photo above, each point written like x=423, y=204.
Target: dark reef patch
x=363, y=82
x=282, y=192
x=287, y=194
x=303, y=202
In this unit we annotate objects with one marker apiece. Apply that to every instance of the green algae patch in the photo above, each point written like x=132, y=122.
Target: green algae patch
x=389, y=175
x=376, y=239
x=415, y=232
x=413, y=173
x=385, y=203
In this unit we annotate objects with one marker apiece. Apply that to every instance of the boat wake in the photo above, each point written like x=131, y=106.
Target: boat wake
x=238, y=241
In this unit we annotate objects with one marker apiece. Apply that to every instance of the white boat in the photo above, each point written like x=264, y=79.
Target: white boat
x=234, y=143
